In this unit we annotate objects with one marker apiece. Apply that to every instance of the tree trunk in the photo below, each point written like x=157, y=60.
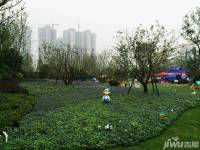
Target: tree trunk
x=56, y=79
x=70, y=82
x=145, y=87
x=67, y=81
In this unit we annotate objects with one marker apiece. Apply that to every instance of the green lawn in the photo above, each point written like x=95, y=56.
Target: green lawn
x=186, y=128
x=75, y=117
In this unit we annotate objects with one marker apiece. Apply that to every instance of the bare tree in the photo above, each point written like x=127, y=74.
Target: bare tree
x=54, y=57
x=8, y=10
x=144, y=51
x=105, y=65
x=72, y=64
x=191, y=32
x=65, y=62
x=12, y=33
x=3, y=2
x=8, y=4
x=191, y=27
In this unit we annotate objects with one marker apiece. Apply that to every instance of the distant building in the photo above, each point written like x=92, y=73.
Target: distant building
x=85, y=41
x=88, y=41
x=59, y=42
x=79, y=40
x=46, y=34
x=27, y=45
x=93, y=43
x=69, y=37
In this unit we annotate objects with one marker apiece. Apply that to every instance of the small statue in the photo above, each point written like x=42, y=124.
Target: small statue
x=106, y=97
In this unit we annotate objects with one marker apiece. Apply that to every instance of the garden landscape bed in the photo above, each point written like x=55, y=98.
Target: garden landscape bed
x=75, y=117
x=12, y=108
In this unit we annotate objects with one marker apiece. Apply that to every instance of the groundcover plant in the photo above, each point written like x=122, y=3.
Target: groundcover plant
x=75, y=117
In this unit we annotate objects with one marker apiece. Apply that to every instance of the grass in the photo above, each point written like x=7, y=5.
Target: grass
x=75, y=117
x=187, y=128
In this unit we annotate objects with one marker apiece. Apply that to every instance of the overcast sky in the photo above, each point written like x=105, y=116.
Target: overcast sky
x=106, y=17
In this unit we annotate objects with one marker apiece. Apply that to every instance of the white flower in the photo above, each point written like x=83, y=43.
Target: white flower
x=99, y=126
x=108, y=127
x=6, y=136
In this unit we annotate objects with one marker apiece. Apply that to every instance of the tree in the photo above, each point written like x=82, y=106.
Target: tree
x=12, y=30
x=72, y=64
x=3, y=2
x=122, y=58
x=8, y=10
x=54, y=57
x=105, y=65
x=63, y=62
x=191, y=32
x=12, y=4
x=144, y=51
x=27, y=66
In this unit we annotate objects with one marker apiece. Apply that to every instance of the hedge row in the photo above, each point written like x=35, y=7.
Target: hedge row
x=12, y=108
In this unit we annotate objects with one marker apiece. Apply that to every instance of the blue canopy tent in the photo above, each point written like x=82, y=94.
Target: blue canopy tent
x=175, y=73
x=170, y=77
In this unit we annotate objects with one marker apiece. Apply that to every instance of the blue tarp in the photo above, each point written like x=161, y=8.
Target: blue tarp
x=176, y=70
x=172, y=77
x=177, y=73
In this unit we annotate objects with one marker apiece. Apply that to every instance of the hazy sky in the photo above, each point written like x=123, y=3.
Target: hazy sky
x=106, y=17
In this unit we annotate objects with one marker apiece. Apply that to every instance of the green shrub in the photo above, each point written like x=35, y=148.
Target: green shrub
x=12, y=108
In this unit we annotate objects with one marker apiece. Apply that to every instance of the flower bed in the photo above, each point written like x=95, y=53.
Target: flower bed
x=75, y=118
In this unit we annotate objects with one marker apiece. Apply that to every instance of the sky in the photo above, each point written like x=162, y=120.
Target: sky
x=105, y=17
